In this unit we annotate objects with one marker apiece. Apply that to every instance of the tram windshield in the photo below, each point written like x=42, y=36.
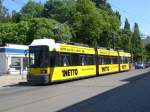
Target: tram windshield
x=38, y=56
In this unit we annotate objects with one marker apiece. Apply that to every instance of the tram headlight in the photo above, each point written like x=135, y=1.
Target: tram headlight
x=43, y=71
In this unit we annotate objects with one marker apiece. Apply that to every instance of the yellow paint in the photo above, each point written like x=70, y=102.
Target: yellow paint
x=37, y=71
x=103, y=69
x=124, y=54
x=72, y=72
x=75, y=49
x=107, y=52
x=83, y=71
x=57, y=73
x=124, y=67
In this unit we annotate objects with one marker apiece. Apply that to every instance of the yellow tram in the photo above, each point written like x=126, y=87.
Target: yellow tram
x=51, y=62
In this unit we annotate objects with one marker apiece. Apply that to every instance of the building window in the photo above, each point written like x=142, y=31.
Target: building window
x=15, y=63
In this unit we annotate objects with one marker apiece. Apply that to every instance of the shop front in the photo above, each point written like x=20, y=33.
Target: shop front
x=13, y=59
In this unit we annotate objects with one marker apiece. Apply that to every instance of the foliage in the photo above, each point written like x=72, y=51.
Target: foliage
x=102, y=4
x=4, y=16
x=3, y=10
x=86, y=22
x=14, y=33
x=25, y=31
x=126, y=37
x=92, y=22
x=32, y=9
x=111, y=30
x=93, y=26
x=147, y=48
x=58, y=9
x=16, y=17
x=44, y=28
x=137, y=46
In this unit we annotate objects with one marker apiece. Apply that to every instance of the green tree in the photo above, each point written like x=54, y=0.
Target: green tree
x=26, y=31
x=14, y=33
x=126, y=37
x=3, y=10
x=16, y=16
x=147, y=48
x=103, y=4
x=100, y=2
x=4, y=15
x=86, y=23
x=137, y=46
x=22, y=28
x=127, y=25
x=7, y=33
x=94, y=26
x=118, y=15
x=111, y=23
x=110, y=31
x=44, y=28
x=32, y=9
x=58, y=9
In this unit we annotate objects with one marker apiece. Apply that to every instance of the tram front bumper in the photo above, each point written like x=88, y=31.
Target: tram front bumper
x=38, y=79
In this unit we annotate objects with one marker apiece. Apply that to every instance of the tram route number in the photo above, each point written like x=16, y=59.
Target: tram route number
x=70, y=72
x=105, y=69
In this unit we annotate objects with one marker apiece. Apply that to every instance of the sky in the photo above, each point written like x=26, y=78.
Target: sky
x=134, y=10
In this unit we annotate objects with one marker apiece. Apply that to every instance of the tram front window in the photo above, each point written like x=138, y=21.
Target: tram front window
x=38, y=56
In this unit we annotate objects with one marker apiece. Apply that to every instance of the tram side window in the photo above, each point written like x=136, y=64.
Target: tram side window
x=107, y=60
x=75, y=59
x=90, y=59
x=126, y=60
x=64, y=59
x=114, y=60
x=121, y=60
x=100, y=59
x=87, y=59
x=104, y=60
x=54, y=59
x=83, y=60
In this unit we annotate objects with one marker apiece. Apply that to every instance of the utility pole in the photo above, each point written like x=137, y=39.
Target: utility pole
x=113, y=40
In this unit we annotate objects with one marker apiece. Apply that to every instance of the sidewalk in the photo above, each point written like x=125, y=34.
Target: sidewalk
x=10, y=79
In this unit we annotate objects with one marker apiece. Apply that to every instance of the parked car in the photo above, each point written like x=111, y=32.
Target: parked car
x=140, y=65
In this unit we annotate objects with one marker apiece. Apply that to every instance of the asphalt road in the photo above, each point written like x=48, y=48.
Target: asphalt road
x=122, y=92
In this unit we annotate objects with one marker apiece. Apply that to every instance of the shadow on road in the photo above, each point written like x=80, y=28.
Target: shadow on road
x=131, y=97
x=20, y=84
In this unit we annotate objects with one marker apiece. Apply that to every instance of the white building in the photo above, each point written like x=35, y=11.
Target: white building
x=13, y=59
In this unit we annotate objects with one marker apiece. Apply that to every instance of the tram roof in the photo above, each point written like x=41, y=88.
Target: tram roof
x=74, y=48
x=63, y=47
